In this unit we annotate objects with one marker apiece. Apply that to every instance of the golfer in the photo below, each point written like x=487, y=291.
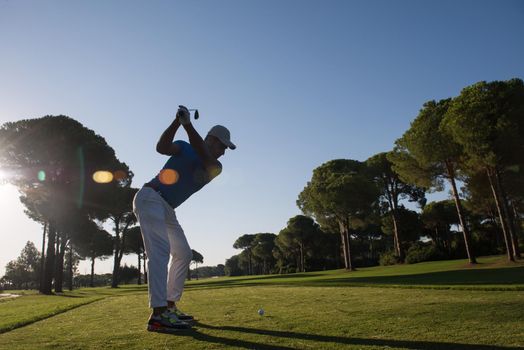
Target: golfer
x=190, y=167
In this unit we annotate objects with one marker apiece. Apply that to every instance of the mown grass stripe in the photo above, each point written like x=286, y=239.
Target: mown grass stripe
x=45, y=316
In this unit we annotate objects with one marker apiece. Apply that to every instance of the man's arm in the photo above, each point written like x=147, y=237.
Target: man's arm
x=200, y=147
x=165, y=144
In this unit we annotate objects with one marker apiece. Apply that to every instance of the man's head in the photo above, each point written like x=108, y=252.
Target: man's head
x=218, y=139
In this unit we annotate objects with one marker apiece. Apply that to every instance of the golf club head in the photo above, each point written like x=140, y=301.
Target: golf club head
x=191, y=110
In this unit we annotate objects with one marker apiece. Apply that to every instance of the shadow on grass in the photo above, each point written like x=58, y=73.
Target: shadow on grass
x=248, y=279
x=92, y=292
x=500, y=276
x=66, y=295
x=407, y=344
x=481, y=279
x=108, y=291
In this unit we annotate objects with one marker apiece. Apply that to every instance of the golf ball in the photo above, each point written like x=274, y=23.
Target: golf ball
x=261, y=312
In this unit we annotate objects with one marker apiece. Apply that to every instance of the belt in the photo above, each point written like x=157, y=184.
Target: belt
x=157, y=190
x=150, y=185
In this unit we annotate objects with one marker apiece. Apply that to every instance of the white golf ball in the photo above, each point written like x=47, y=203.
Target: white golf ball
x=261, y=312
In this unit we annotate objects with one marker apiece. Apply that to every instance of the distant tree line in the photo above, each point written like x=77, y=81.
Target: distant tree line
x=207, y=271
x=24, y=271
x=355, y=213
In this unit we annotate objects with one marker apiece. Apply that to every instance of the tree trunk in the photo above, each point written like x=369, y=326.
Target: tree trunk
x=42, y=260
x=516, y=230
x=348, y=242
x=189, y=272
x=517, y=222
x=116, y=267
x=139, y=269
x=301, y=257
x=507, y=214
x=505, y=232
x=460, y=212
x=392, y=197
x=145, y=271
x=398, y=248
x=49, y=261
x=116, y=251
x=437, y=240
x=250, y=266
x=92, y=279
x=344, y=245
x=70, y=281
x=59, y=273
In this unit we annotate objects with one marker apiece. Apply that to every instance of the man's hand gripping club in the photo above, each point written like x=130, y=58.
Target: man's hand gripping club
x=183, y=115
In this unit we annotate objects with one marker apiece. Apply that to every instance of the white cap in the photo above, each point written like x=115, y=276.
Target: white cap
x=221, y=133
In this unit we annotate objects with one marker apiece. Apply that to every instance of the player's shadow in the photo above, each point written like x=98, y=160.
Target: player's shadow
x=407, y=344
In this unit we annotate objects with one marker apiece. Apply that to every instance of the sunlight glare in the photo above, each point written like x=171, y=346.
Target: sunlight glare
x=168, y=176
x=102, y=177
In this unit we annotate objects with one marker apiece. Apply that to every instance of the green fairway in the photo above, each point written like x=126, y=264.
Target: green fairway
x=438, y=305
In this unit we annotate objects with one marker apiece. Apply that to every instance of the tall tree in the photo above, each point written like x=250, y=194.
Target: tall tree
x=427, y=147
x=23, y=272
x=481, y=204
x=70, y=223
x=52, y=160
x=135, y=245
x=339, y=190
x=71, y=263
x=93, y=243
x=288, y=252
x=299, y=236
x=410, y=225
x=486, y=120
x=438, y=217
x=232, y=266
x=392, y=190
x=262, y=250
x=196, y=258
x=245, y=242
x=120, y=209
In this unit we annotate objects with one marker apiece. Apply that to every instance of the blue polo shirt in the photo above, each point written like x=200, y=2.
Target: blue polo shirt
x=182, y=175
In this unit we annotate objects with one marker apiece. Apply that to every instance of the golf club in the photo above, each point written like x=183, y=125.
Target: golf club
x=192, y=110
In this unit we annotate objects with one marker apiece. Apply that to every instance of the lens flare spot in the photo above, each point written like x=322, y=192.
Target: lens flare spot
x=103, y=177
x=168, y=176
x=119, y=175
x=41, y=175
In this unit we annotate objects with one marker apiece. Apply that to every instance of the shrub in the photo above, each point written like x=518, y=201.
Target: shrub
x=420, y=252
x=388, y=258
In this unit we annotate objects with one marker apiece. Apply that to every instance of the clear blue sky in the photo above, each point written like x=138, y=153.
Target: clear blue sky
x=297, y=82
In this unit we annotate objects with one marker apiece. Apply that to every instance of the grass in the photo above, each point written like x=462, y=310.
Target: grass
x=430, y=307
x=491, y=273
x=31, y=306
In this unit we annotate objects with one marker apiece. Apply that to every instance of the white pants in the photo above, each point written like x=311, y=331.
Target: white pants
x=163, y=236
